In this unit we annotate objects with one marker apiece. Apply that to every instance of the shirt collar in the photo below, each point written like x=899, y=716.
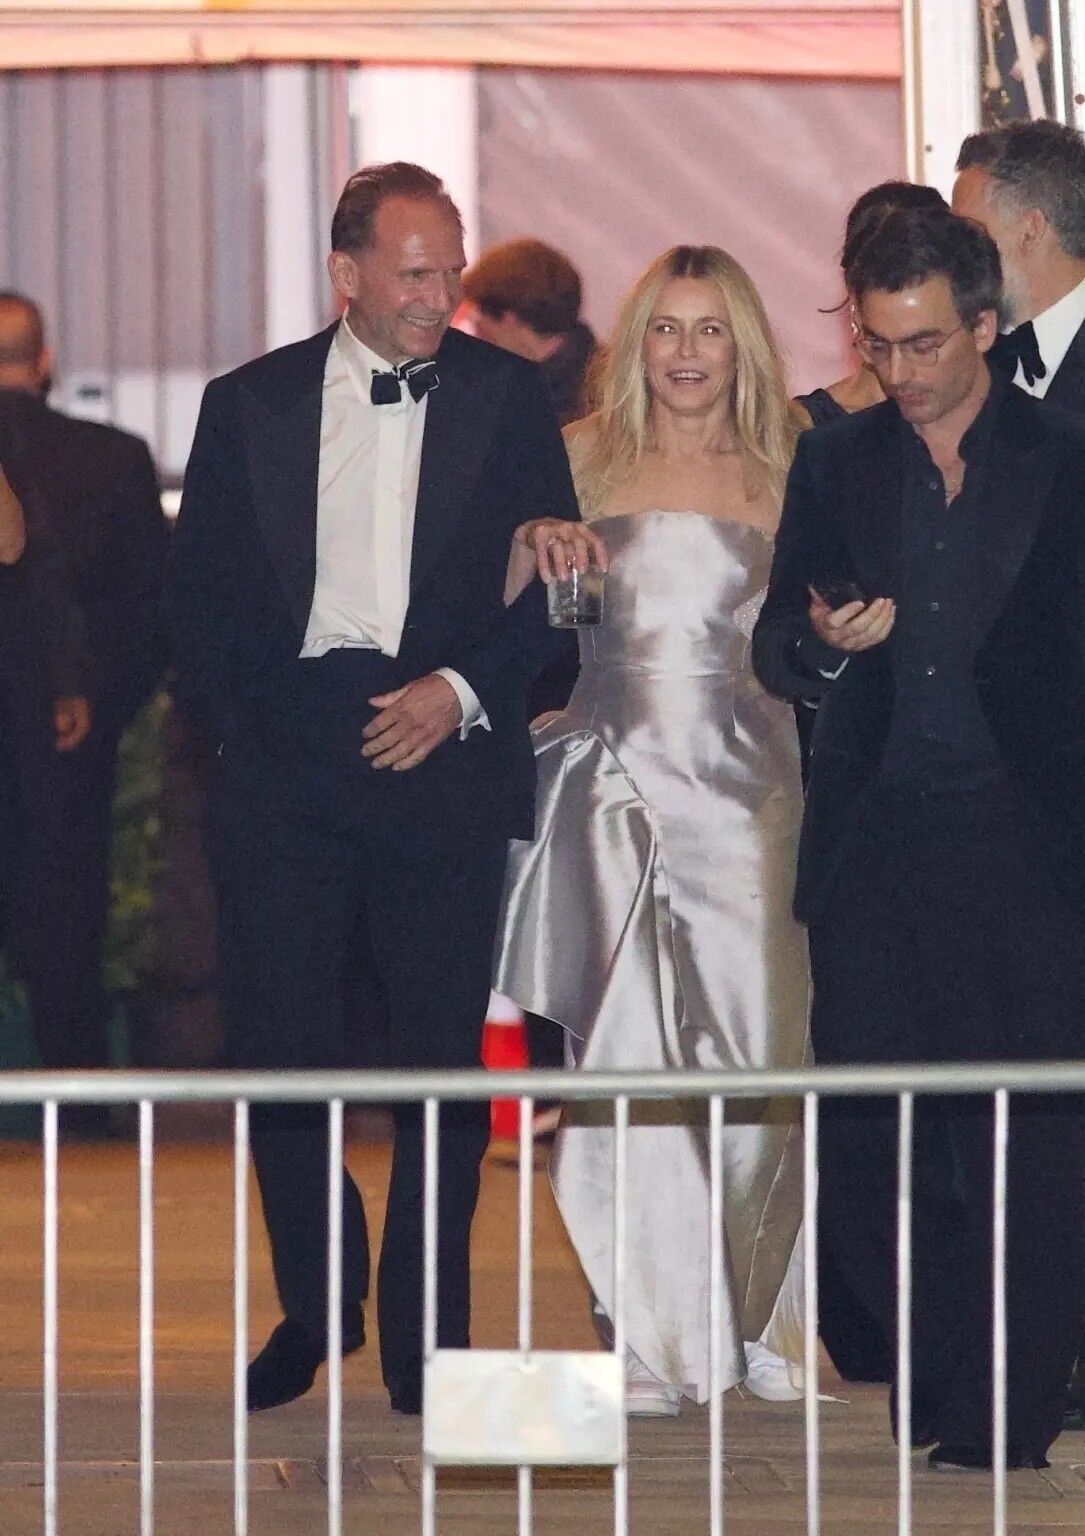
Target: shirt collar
x=361, y=360
x=978, y=435
x=1058, y=325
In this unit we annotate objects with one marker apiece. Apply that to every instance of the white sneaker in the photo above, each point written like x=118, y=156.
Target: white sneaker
x=646, y=1397
x=772, y=1377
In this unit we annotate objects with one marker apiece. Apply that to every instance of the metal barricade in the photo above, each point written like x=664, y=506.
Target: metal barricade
x=609, y=1446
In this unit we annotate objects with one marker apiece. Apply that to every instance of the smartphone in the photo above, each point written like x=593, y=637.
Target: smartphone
x=837, y=593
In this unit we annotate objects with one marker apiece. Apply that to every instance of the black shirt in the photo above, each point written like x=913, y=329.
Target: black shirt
x=939, y=737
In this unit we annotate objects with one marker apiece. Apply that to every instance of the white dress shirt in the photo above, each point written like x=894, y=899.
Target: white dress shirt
x=367, y=486
x=1055, y=330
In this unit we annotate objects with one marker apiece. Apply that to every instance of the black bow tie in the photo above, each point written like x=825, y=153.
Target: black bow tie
x=1020, y=346
x=419, y=375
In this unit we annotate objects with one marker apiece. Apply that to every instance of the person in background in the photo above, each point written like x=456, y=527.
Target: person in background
x=942, y=866
x=525, y=296
x=90, y=492
x=1024, y=183
x=860, y=389
x=651, y=915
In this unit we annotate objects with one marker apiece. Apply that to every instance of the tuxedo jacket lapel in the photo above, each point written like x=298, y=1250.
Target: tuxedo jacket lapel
x=1067, y=388
x=1017, y=482
x=870, y=491
x=461, y=416
x=281, y=424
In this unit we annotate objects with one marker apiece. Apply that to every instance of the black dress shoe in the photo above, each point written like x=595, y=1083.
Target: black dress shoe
x=978, y=1458
x=405, y=1390
x=287, y=1365
x=924, y=1409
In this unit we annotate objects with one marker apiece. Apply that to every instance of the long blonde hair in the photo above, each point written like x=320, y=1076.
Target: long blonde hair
x=764, y=430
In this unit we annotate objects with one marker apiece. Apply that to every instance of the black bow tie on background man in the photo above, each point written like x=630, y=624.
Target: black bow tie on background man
x=419, y=375
x=1019, y=346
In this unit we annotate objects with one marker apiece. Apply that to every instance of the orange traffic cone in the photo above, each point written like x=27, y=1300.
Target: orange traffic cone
x=504, y=1049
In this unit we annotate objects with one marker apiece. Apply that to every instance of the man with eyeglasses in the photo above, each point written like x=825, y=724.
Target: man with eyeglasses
x=928, y=583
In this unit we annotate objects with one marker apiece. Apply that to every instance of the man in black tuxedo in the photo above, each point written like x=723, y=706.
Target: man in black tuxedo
x=90, y=493
x=1025, y=184
x=942, y=862
x=347, y=523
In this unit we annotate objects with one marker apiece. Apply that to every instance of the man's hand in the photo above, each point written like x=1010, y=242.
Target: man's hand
x=72, y=719
x=856, y=626
x=558, y=547
x=412, y=721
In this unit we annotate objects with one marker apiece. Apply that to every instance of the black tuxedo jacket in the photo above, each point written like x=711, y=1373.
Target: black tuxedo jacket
x=841, y=518
x=1067, y=388
x=92, y=491
x=244, y=564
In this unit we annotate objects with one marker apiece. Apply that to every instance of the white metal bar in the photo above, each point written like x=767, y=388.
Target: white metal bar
x=241, y=1317
x=715, y=1315
x=429, y=1291
x=335, y=1317
x=904, y=1314
x=50, y=1267
x=621, y=1134
x=146, y=1318
x=911, y=87
x=810, y=1318
x=1059, y=69
x=524, y=1287
x=998, y=1373
x=400, y=1087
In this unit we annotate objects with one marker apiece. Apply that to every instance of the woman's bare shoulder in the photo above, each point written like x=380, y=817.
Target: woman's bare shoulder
x=581, y=434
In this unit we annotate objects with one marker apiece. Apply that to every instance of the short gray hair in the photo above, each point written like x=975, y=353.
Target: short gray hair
x=1035, y=165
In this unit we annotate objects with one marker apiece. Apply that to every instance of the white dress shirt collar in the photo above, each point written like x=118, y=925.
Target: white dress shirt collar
x=1055, y=331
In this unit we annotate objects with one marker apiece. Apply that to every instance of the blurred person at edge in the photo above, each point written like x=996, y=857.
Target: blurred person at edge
x=1025, y=184
x=90, y=495
x=525, y=296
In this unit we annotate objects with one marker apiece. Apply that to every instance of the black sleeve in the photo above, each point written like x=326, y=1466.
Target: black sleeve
x=136, y=640
x=202, y=560
x=56, y=632
x=538, y=483
x=788, y=657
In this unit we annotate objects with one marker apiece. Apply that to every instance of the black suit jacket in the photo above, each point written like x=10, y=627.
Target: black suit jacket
x=841, y=518
x=244, y=563
x=92, y=491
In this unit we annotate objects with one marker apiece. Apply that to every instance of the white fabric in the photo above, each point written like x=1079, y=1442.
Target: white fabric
x=367, y=487
x=1055, y=330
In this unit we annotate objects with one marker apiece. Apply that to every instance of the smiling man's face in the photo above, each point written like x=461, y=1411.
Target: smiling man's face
x=403, y=288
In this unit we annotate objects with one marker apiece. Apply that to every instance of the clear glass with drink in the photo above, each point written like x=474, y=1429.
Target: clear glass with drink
x=576, y=601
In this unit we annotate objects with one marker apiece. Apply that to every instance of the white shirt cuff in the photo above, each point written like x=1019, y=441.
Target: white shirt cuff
x=472, y=711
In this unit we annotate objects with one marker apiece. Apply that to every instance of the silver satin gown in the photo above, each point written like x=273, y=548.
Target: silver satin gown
x=651, y=918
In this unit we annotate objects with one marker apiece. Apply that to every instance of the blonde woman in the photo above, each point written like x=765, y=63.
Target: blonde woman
x=651, y=916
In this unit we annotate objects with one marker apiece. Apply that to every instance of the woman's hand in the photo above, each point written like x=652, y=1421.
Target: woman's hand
x=559, y=547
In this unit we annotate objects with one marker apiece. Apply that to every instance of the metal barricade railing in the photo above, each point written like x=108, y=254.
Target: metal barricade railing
x=807, y=1086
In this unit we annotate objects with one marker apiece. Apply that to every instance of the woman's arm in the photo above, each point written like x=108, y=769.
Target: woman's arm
x=12, y=527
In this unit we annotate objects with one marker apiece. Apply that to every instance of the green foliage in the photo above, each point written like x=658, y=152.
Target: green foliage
x=137, y=855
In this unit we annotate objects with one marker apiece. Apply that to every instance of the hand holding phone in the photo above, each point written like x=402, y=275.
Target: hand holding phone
x=841, y=616
x=837, y=594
